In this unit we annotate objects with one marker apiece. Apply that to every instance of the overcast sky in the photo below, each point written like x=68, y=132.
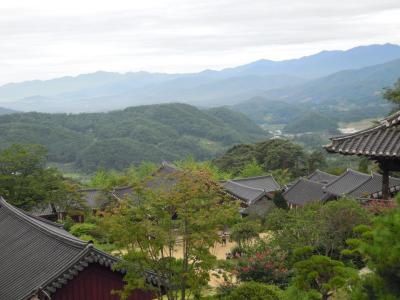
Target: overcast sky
x=43, y=39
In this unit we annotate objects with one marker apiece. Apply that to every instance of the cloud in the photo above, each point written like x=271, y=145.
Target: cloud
x=44, y=38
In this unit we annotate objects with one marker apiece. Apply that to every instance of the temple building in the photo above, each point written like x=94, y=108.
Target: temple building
x=40, y=260
x=379, y=143
x=255, y=193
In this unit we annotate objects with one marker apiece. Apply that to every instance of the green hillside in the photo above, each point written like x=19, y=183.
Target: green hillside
x=119, y=138
x=350, y=95
x=311, y=122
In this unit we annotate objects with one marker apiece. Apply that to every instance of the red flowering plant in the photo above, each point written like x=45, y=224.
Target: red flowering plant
x=264, y=263
x=377, y=206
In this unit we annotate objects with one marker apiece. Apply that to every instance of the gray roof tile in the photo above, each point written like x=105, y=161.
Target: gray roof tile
x=322, y=177
x=304, y=191
x=382, y=140
x=266, y=183
x=248, y=194
x=346, y=182
x=372, y=188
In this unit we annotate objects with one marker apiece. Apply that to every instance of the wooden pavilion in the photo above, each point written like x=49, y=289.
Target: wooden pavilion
x=380, y=143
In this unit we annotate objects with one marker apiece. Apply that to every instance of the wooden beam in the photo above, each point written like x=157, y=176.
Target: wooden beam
x=385, y=183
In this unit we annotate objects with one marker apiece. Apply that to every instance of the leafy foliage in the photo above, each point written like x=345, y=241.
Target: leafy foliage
x=393, y=95
x=264, y=263
x=320, y=275
x=254, y=291
x=380, y=246
x=312, y=122
x=26, y=182
x=169, y=218
x=274, y=154
x=118, y=139
x=324, y=227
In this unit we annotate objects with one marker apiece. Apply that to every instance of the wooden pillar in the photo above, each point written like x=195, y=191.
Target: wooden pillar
x=385, y=182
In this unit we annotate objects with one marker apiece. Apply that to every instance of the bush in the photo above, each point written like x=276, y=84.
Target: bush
x=255, y=291
x=265, y=264
x=81, y=229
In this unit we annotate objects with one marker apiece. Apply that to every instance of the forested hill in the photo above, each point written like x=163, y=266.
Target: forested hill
x=119, y=138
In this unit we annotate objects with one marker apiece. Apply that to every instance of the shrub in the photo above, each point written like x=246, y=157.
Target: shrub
x=255, y=291
x=266, y=264
x=81, y=229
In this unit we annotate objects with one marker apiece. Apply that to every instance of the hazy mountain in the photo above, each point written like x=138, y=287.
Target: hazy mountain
x=323, y=63
x=145, y=133
x=345, y=93
x=104, y=91
x=6, y=111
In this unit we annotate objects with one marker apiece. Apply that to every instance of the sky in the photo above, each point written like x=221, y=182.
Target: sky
x=44, y=39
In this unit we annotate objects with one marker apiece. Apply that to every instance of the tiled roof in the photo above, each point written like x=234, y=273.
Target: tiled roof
x=94, y=198
x=39, y=254
x=121, y=192
x=163, y=178
x=305, y=191
x=382, y=140
x=248, y=194
x=372, y=188
x=266, y=183
x=346, y=182
x=322, y=177
x=46, y=210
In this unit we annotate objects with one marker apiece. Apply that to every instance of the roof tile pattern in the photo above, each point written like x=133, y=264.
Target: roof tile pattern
x=31, y=252
x=122, y=192
x=382, y=140
x=322, y=177
x=94, y=198
x=304, y=191
x=248, y=194
x=346, y=182
x=266, y=183
x=372, y=188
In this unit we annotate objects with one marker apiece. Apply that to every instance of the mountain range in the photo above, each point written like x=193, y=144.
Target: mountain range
x=342, y=79
x=116, y=139
x=346, y=95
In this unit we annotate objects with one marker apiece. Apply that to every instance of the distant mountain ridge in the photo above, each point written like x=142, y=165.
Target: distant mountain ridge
x=117, y=139
x=105, y=91
x=341, y=95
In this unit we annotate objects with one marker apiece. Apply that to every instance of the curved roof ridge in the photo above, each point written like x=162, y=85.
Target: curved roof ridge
x=361, y=184
x=41, y=226
x=319, y=171
x=90, y=190
x=57, y=225
x=357, y=172
x=293, y=185
x=121, y=187
x=349, y=135
x=348, y=171
x=393, y=119
x=253, y=177
x=303, y=179
x=245, y=186
x=337, y=178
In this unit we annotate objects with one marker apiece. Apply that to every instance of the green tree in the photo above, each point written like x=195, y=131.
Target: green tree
x=393, y=95
x=324, y=227
x=252, y=169
x=262, y=262
x=26, y=182
x=254, y=291
x=281, y=154
x=172, y=218
x=380, y=246
x=320, y=276
x=244, y=232
x=316, y=160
